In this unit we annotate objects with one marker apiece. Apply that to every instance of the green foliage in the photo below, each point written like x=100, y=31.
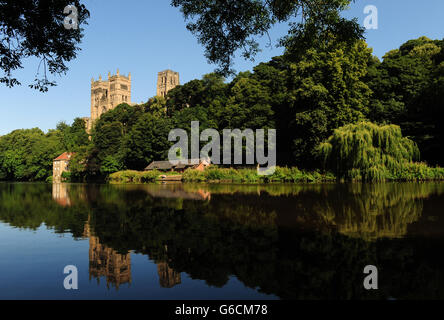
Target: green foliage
x=366, y=151
x=408, y=91
x=414, y=171
x=210, y=93
x=147, y=141
x=215, y=174
x=327, y=91
x=281, y=174
x=194, y=176
x=35, y=29
x=26, y=155
x=223, y=27
x=110, y=165
x=74, y=136
x=327, y=82
x=66, y=176
x=132, y=176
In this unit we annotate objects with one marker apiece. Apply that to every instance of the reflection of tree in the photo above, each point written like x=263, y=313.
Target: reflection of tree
x=297, y=243
x=31, y=205
x=373, y=211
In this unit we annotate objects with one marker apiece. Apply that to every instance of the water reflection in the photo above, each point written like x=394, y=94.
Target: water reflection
x=106, y=262
x=292, y=241
x=168, y=277
x=60, y=194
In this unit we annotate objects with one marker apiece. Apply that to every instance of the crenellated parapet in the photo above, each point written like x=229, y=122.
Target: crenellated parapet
x=107, y=94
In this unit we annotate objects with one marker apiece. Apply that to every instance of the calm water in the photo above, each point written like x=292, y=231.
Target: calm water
x=222, y=241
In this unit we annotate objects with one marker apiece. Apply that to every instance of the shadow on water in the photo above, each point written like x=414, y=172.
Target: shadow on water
x=292, y=241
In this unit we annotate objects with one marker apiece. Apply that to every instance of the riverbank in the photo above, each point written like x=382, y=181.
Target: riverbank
x=410, y=172
x=229, y=175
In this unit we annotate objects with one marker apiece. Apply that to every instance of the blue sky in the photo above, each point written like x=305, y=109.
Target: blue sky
x=151, y=36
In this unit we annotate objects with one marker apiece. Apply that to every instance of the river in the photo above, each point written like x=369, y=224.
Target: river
x=222, y=241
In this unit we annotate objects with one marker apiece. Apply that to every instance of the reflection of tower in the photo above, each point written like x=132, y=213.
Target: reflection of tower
x=168, y=278
x=106, y=262
x=60, y=194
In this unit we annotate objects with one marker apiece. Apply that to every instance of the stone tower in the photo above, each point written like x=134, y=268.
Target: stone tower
x=166, y=80
x=106, y=95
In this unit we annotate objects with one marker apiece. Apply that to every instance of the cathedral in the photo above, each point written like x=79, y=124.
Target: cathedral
x=108, y=94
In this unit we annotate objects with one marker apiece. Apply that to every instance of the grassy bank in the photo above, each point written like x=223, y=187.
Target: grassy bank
x=214, y=174
x=409, y=172
x=132, y=176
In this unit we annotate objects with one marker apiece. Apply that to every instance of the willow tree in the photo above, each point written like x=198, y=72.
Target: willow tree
x=367, y=151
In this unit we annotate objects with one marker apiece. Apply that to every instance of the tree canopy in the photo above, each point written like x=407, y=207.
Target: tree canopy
x=225, y=26
x=34, y=28
x=333, y=91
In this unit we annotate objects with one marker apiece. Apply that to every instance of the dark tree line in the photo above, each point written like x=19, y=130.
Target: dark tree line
x=305, y=95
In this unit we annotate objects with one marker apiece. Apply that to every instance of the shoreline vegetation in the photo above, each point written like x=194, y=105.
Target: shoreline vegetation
x=340, y=114
x=411, y=172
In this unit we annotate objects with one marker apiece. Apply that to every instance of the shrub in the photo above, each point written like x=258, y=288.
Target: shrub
x=66, y=176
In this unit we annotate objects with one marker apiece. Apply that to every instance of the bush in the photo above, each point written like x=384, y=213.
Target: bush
x=193, y=176
x=281, y=174
x=66, y=176
x=132, y=176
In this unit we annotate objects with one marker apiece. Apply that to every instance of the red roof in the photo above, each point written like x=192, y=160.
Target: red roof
x=64, y=156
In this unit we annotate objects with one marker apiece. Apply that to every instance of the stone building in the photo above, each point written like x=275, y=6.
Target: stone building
x=60, y=165
x=106, y=95
x=166, y=80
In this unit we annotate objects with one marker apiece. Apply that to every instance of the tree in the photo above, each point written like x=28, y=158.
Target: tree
x=407, y=91
x=147, y=141
x=110, y=165
x=75, y=136
x=368, y=151
x=225, y=26
x=325, y=91
x=209, y=92
x=125, y=114
x=156, y=106
x=248, y=105
x=27, y=155
x=34, y=28
x=108, y=139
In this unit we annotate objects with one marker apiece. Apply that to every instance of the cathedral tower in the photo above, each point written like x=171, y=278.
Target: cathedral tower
x=166, y=80
x=106, y=95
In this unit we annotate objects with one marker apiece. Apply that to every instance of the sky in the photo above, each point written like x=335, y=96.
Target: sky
x=145, y=37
